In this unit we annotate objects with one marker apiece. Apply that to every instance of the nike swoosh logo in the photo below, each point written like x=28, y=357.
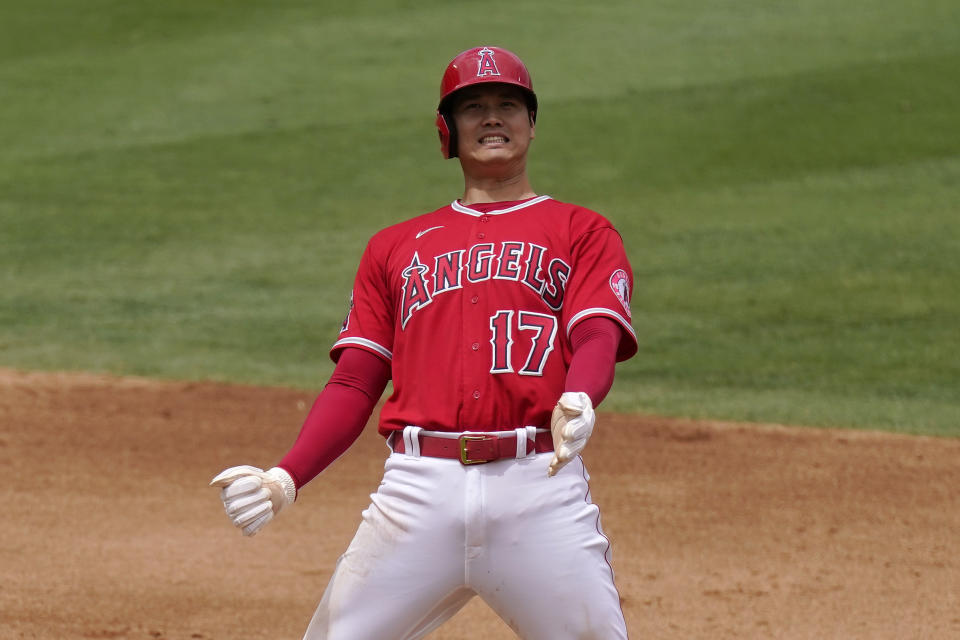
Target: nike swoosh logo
x=426, y=231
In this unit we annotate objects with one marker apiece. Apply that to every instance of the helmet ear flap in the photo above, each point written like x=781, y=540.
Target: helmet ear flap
x=448, y=135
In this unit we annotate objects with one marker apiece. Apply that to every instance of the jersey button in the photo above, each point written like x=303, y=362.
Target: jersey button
x=484, y=218
x=481, y=235
x=475, y=346
x=475, y=299
x=476, y=395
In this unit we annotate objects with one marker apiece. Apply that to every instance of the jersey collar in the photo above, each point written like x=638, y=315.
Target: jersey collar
x=456, y=206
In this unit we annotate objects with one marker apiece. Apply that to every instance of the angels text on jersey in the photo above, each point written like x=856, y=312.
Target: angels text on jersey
x=521, y=262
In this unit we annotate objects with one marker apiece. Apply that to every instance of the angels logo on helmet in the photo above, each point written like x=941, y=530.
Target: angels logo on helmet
x=488, y=66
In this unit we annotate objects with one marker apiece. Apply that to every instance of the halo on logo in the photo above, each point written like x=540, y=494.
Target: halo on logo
x=620, y=283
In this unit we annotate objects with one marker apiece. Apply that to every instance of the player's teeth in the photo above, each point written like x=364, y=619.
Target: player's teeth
x=494, y=139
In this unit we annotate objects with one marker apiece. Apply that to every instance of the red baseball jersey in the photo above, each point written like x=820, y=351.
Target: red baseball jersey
x=473, y=309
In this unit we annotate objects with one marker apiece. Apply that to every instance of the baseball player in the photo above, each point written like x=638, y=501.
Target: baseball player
x=500, y=318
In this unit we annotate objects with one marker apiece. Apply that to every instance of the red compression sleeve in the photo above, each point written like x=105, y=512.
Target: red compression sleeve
x=594, y=342
x=338, y=415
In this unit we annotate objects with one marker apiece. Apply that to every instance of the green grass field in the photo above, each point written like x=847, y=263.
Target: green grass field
x=186, y=187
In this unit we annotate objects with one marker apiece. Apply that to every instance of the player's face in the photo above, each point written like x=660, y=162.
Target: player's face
x=493, y=125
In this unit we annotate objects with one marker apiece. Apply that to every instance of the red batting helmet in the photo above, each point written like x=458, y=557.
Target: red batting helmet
x=473, y=66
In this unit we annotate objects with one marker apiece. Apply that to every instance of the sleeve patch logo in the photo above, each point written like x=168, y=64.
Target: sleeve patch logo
x=620, y=283
x=346, y=321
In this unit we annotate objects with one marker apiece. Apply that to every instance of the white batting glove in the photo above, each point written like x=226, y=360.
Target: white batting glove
x=571, y=425
x=252, y=496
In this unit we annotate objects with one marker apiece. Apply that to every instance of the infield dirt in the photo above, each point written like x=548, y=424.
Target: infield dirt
x=719, y=530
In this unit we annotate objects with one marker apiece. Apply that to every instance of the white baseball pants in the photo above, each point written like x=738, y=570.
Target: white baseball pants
x=437, y=533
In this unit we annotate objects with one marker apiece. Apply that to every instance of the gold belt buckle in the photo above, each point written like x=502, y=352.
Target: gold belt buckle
x=463, y=448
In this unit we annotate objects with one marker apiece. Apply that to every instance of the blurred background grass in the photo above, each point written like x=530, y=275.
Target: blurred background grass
x=186, y=187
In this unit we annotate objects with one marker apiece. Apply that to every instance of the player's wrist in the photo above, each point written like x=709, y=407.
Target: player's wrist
x=286, y=483
x=576, y=400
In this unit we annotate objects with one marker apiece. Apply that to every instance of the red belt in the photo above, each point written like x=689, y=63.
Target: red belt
x=475, y=448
